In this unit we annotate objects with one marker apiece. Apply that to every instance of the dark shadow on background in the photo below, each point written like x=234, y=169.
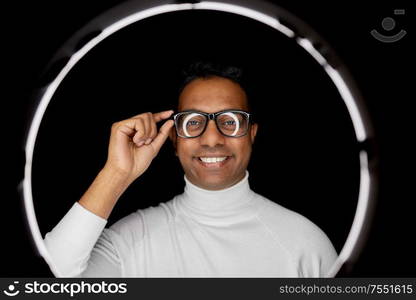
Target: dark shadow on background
x=304, y=157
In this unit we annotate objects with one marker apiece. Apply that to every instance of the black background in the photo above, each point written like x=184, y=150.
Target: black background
x=34, y=32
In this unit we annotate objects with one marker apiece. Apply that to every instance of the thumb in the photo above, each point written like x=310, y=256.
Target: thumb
x=162, y=135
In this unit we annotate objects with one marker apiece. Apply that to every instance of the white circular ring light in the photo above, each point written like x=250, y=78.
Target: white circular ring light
x=295, y=29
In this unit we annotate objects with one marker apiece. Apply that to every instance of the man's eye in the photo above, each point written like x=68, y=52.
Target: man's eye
x=193, y=123
x=229, y=123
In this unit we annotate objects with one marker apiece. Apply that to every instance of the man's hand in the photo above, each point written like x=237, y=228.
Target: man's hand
x=133, y=145
x=135, y=142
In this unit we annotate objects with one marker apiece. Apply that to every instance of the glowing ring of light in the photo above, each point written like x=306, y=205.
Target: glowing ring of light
x=133, y=11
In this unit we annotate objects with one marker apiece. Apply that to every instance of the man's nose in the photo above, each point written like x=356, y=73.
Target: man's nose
x=212, y=137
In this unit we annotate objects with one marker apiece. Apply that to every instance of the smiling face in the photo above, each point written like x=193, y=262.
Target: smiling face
x=213, y=161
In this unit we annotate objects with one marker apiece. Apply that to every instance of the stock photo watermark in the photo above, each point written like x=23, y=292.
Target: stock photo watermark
x=389, y=24
x=72, y=288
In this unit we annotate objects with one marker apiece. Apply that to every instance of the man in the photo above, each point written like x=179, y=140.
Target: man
x=218, y=227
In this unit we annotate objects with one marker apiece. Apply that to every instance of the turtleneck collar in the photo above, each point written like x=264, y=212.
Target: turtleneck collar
x=228, y=205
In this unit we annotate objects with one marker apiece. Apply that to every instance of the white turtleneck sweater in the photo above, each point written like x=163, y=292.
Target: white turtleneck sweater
x=228, y=233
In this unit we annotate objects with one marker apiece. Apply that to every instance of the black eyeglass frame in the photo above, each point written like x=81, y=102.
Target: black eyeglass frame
x=212, y=116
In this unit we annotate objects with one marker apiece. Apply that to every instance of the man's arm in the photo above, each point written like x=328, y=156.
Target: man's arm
x=133, y=145
x=104, y=192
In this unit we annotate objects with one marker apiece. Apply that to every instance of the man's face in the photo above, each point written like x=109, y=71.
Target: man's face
x=212, y=95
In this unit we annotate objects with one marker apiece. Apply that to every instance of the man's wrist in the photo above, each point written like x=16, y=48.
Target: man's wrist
x=105, y=191
x=119, y=177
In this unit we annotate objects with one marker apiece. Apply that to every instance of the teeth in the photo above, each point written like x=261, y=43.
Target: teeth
x=212, y=159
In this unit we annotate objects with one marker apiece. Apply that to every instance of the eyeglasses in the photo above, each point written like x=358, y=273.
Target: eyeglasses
x=231, y=123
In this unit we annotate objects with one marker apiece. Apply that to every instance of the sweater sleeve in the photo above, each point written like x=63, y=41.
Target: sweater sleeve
x=79, y=247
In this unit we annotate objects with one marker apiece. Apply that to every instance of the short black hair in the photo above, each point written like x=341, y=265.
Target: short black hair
x=208, y=69
x=201, y=69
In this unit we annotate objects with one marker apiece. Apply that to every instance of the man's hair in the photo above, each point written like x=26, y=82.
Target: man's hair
x=206, y=70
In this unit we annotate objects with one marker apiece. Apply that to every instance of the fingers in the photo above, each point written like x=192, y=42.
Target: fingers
x=142, y=128
x=141, y=132
x=146, y=121
x=157, y=116
x=163, y=135
x=150, y=121
x=153, y=132
x=162, y=115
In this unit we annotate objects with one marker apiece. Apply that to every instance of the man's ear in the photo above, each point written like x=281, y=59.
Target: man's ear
x=253, y=131
x=174, y=138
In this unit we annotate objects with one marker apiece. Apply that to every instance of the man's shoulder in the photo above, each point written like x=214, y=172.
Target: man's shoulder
x=278, y=215
x=292, y=229
x=134, y=224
